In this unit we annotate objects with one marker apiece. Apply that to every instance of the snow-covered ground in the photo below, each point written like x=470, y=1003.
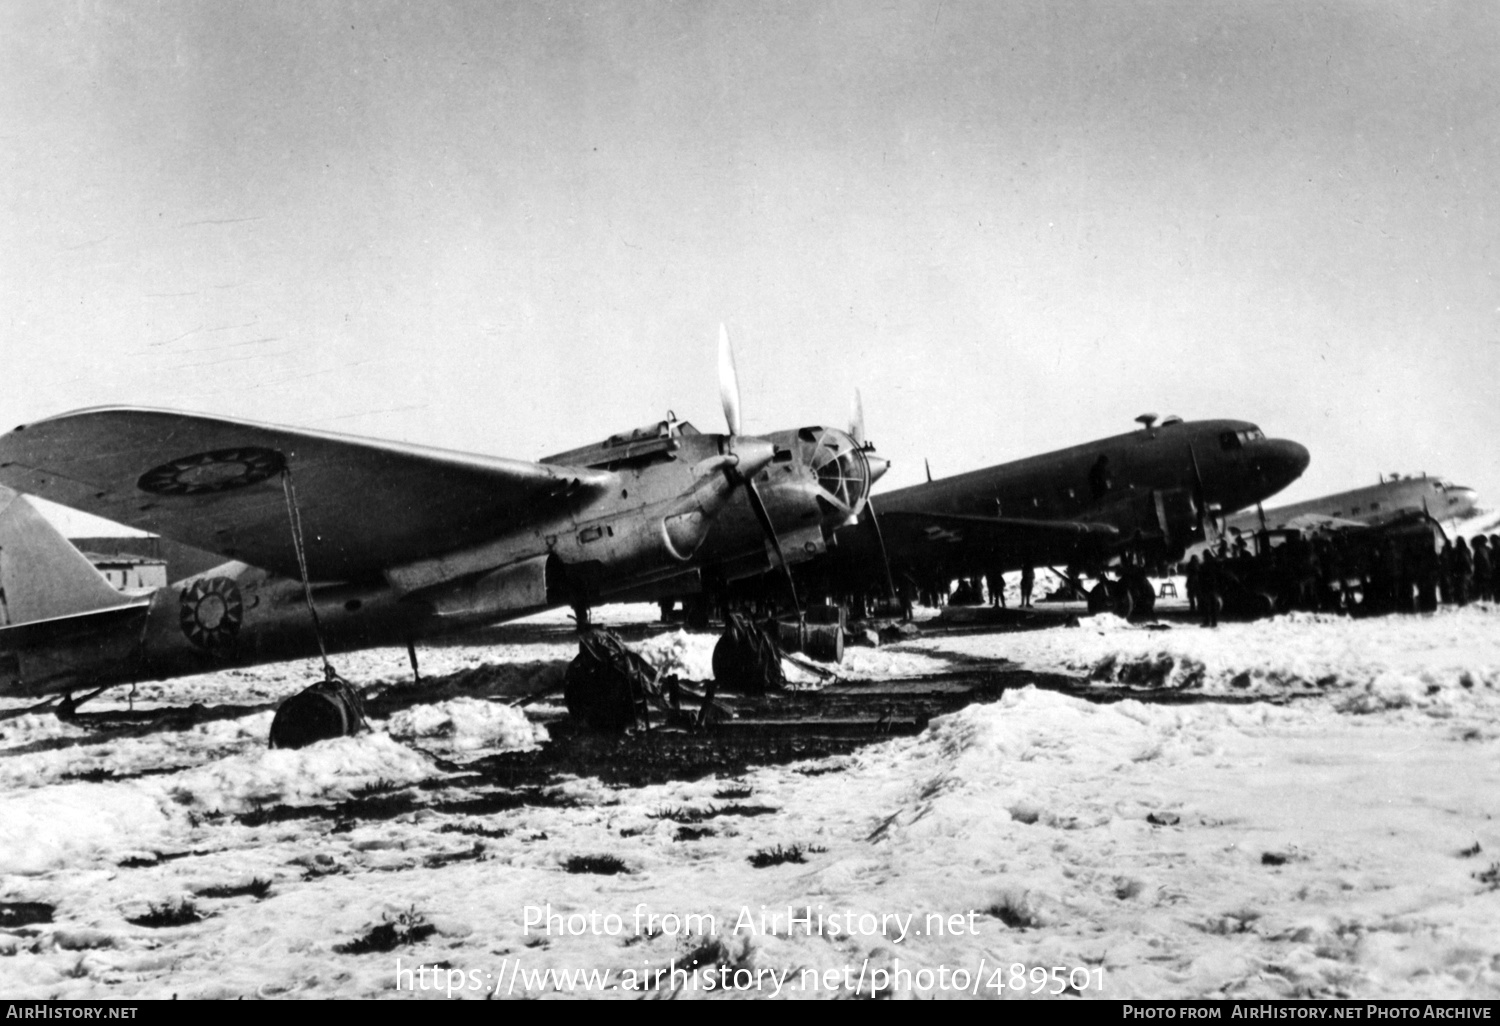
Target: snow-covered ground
x=1319, y=823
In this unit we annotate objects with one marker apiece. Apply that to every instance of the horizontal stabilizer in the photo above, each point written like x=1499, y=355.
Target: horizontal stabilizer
x=42, y=576
x=63, y=628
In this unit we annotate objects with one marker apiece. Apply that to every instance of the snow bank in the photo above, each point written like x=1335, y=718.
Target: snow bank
x=1431, y=662
x=468, y=724
x=689, y=656
x=68, y=825
x=328, y=769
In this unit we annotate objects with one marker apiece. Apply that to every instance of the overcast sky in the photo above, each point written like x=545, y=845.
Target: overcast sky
x=513, y=228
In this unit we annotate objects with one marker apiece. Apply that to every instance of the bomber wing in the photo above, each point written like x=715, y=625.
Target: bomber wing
x=217, y=484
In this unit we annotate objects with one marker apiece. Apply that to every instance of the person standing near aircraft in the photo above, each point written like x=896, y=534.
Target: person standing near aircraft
x=1429, y=572
x=1208, y=589
x=1447, y=560
x=995, y=581
x=1463, y=571
x=1028, y=579
x=1483, y=569
x=1191, y=574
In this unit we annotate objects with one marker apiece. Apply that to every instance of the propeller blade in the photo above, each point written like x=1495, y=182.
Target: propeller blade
x=729, y=383
x=929, y=469
x=857, y=421
x=885, y=559
x=769, y=528
x=1200, y=496
x=1198, y=493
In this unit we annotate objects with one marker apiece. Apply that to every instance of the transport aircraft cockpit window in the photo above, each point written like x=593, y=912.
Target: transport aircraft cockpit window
x=1239, y=439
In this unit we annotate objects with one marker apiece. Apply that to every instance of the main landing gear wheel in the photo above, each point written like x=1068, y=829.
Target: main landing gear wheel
x=1143, y=598
x=607, y=685
x=1112, y=597
x=747, y=659
x=330, y=708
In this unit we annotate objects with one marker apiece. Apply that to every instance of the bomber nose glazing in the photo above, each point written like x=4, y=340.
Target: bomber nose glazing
x=844, y=469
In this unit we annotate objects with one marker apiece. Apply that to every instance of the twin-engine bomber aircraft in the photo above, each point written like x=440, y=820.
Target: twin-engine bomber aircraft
x=1142, y=497
x=397, y=541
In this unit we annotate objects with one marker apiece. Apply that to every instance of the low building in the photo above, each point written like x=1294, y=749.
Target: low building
x=130, y=573
x=180, y=560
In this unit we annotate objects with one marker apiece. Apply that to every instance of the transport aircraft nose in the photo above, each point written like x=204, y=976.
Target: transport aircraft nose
x=1461, y=501
x=1295, y=456
x=1276, y=463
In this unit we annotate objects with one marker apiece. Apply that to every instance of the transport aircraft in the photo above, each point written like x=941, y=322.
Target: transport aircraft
x=340, y=542
x=1127, y=502
x=1371, y=506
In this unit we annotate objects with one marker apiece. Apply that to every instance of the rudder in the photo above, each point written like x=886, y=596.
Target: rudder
x=42, y=575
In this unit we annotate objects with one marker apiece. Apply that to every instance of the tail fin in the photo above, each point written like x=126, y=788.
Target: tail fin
x=42, y=576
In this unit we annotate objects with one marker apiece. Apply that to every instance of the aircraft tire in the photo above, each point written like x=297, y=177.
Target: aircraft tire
x=1122, y=603
x=747, y=659
x=328, y=709
x=597, y=695
x=604, y=681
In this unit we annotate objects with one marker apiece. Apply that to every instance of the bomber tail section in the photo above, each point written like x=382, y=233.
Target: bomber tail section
x=61, y=622
x=42, y=576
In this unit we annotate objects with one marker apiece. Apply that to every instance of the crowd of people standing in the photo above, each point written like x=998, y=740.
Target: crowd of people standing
x=1344, y=572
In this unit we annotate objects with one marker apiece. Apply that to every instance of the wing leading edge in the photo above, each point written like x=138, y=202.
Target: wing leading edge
x=216, y=484
x=973, y=537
